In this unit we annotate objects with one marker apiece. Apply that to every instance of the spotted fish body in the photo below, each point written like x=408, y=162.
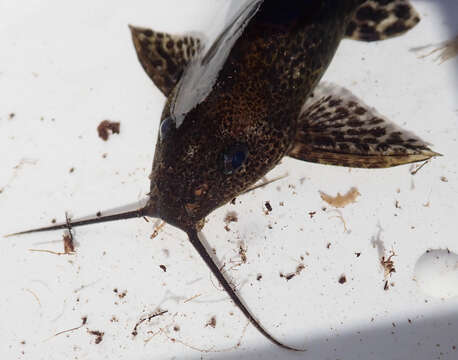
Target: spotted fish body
x=237, y=106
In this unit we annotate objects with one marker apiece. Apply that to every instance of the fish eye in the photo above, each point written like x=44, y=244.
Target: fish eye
x=166, y=126
x=234, y=157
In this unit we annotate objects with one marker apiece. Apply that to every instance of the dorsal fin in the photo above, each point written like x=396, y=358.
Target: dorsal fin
x=337, y=128
x=382, y=19
x=164, y=56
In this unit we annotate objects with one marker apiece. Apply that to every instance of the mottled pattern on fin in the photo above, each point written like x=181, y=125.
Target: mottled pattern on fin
x=336, y=128
x=382, y=19
x=164, y=56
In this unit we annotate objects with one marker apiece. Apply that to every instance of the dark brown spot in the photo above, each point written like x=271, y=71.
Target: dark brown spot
x=367, y=12
x=402, y=11
x=396, y=28
x=360, y=110
x=105, y=127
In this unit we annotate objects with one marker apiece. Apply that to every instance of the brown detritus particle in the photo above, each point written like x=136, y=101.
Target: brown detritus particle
x=147, y=318
x=386, y=286
x=268, y=207
x=99, y=214
x=410, y=321
x=211, y=322
x=121, y=295
x=176, y=328
x=23, y=342
x=11, y=115
x=358, y=254
x=299, y=269
x=242, y=253
x=397, y=205
x=231, y=216
x=163, y=267
x=105, y=127
x=427, y=204
x=281, y=203
x=342, y=279
x=259, y=277
x=270, y=226
x=233, y=201
x=388, y=264
x=114, y=319
x=69, y=247
x=97, y=334
x=53, y=221
x=157, y=229
x=302, y=258
x=104, y=155
x=312, y=214
x=324, y=208
x=444, y=179
x=328, y=246
x=84, y=320
x=71, y=170
x=340, y=201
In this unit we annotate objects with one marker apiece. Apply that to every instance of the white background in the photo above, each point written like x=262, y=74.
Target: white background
x=66, y=66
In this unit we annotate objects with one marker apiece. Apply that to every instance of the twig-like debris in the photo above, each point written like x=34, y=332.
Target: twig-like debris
x=147, y=318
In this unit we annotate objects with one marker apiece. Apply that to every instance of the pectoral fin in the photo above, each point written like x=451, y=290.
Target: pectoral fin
x=164, y=56
x=382, y=19
x=336, y=128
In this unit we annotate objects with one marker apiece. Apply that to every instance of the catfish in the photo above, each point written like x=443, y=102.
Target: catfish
x=237, y=106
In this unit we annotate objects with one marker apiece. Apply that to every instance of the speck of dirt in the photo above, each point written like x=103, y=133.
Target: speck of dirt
x=72, y=170
x=107, y=126
x=444, y=179
x=328, y=246
x=282, y=203
x=312, y=214
x=23, y=342
x=268, y=206
x=114, y=319
x=176, y=328
x=211, y=322
x=386, y=286
x=99, y=214
x=11, y=115
x=259, y=277
x=98, y=335
x=53, y=221
x=342, y=279
x=121, y=295
x=69, y=247
x=104, y=155
x=231, y=216
x=358, y=254
x=233, y=201
x=242, y=253
x=163, y=267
